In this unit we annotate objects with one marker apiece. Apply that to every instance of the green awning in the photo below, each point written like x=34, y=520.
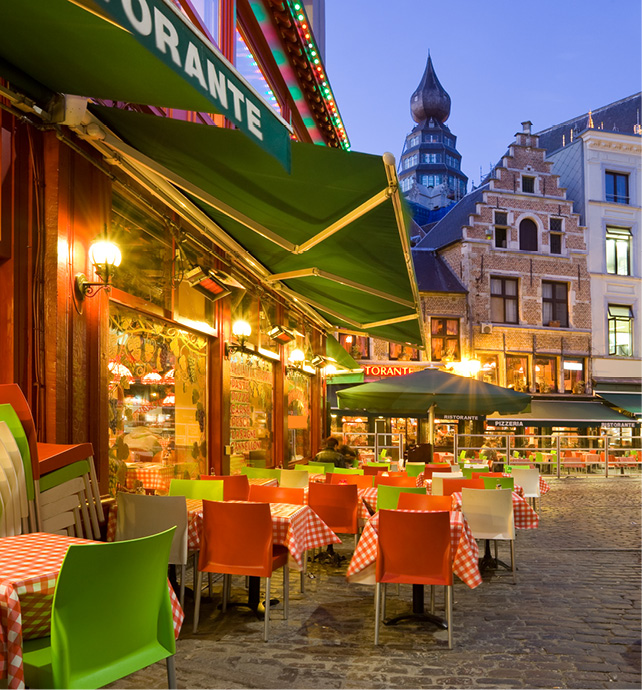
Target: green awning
x=349, y=370
x=630, y=402
x=333, y=232
x=148, y=55
x=564, y=413
x=414, y=394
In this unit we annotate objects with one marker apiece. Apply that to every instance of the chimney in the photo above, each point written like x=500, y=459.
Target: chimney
x=526, y=127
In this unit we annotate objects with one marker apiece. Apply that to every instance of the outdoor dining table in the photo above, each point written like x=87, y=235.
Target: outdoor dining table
x=29, y=568
x=152, y=476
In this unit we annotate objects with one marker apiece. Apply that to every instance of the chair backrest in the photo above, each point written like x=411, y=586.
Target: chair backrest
x=236, y=539
x=403, y=480
x=498, y=482
x=294, y=478
x=11, y=490
x=414, y=469
x=362, y=481
x=528, y=479
x=261, y=472
x=336, y=504
x=346, y=470
x=141, y=516
x=9, y=442
x=380, y=465
x=308, y=468
x=470, y=472
x=453, y=484
x=10, y=417
x=236, y=487
x=489, y=474
x=321, y=467
x=399, y=559
x=438, y=481
x=435, y=467
x=372, y=471
x=489, y=512
x=11, y=394
x=277, y=494
x=111, y=612
x=408, y=501
x=197, y=488
x=388, y=496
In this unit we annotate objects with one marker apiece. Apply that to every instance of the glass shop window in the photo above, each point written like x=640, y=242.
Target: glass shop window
x=489, y=369
x=574, y=380
x=403, y=353
x=517, y=375
x=546, y=374
x=357, y=346
x=157, y=402
x=444, y=340
x=298, y=390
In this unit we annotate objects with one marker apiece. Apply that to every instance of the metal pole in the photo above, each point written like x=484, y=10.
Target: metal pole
x=606, y=455
x=559, y=454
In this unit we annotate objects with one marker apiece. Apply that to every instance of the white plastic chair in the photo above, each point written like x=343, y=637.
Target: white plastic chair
x=529, y=481
x=296, y=479
x=141, y=516
x=489, y=513
x=438, y=483
x=8, y=442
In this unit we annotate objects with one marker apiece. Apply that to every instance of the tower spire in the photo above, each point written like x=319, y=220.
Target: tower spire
x=430, y=98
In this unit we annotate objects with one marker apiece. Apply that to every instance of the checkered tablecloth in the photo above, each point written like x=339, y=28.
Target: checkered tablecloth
x=544, y=488
x=263, y=481
x=464, y=549
x=150, y=474
x=525, y=517
x=29, y=568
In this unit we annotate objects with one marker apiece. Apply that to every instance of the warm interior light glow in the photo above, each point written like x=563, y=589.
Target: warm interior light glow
x=467, y=367
x=104, y=252
x=330, y=370
x=573, y=366
x=241, y=329
x=297, y=356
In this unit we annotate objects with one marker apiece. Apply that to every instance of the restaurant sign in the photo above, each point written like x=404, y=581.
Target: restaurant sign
x=464, y=417
x=505, y=422
x=160, y=28
x=618, y=425
x=389, y=370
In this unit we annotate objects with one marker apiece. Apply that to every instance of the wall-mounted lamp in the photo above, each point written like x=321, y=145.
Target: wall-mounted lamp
x=105, y=257
x=296, y=361
x=281, y=334
x=241, y=330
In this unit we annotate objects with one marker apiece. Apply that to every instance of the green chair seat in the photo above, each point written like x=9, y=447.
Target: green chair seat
x=262, y=472
x=322, y=467
x=346, y=470
x=504, y=482
x=414, y=470
x=388, y=496
x=204, y=489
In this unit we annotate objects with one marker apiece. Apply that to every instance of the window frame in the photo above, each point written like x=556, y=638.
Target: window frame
x=530, y=178
x=413, y=353
x=360, y=344
x=615, y=198
x=505, y=297
x=554, y=301
x=612, y=321
x=445, y=337
x=559, y=236
x=523, y=240
x=623, y=233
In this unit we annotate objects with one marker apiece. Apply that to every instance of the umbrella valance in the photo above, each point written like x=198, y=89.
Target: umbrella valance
x=414, y=394
x=333, y=231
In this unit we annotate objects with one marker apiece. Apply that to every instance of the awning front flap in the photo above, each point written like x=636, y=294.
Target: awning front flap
x=564, y=413
x=631, y=402
x=77, y=48
x=348, y=369
x=333, y=231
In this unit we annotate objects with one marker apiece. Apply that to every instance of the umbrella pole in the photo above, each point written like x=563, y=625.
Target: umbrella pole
x=431, y=425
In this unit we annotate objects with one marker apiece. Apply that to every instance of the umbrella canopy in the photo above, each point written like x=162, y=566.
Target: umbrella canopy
x=414, y=394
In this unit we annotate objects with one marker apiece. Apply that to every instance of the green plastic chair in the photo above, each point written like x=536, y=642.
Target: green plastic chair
x=415, y=469
x=383, y=465
x=388, y=496
x=470, y=472
x=504, y=482
x=508, y=468
x=205, y=489
x=111, y=616
x=307, y=468
x=346, y=470
x=261, y=472
x=322, y=467
x=462, y=456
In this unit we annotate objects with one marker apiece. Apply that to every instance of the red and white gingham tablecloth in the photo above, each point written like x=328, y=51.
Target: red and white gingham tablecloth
x=464, y=550
x=525, y=517
x=151, y=475
x=29, y=568
x=544, y=487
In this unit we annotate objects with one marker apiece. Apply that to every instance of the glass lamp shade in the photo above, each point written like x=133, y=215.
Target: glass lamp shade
x=297, y=356
x=104, y=253
x=241, y=329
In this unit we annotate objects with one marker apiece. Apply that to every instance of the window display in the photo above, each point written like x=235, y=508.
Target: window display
x=298, y=392
x=157, y=402
x=517, y=376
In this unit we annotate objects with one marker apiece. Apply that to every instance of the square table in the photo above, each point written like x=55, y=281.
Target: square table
x=465, y=552
x=29, y=568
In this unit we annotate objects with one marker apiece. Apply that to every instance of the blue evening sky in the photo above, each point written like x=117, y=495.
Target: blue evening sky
x=501, y=61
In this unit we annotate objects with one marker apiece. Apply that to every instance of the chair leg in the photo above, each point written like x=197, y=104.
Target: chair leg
x=267, y=609
x=286, y=591
x=432, y=599
x=304, y=571
x=96, y=490
x=227, y=586
x=209, y=584
x=182, y=593
x=512, y=559
x=377, y=609
x=495, y=544
x=197, y=600
x=92, y=507
x=171, y=672
x=384, y=599
x=449, y=615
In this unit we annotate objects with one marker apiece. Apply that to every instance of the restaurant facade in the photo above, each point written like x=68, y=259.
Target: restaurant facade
x=203, y=347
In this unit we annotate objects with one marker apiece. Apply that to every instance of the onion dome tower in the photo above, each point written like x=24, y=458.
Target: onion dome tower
x=430, y=166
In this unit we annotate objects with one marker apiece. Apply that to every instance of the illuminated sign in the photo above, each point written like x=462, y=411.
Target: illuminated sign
x=389, y=370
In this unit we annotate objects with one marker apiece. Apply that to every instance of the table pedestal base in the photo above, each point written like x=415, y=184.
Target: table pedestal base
x=253, y=599
x=488, y=562
x=418, y=613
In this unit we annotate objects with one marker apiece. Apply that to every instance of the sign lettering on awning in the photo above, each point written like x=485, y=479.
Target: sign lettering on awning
x=505, y=422
x=160, y=29
x=618, y=425
x=464, y=417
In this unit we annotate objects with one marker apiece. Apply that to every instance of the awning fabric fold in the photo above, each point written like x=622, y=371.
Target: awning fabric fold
x=631, y=402
x=308, y=228
x=564, y=413
x=348, y=369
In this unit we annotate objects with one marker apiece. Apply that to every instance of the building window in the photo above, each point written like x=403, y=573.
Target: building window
x=546, y=374
x=431, y=157
x=357, y=346
x=620, y=321
x=403, y=353
x=500, y=237
x=432, y=138
x=410, y=161
x=618, y=251
x=555, y=224
x=503, y=300
x=556, y=243
x=517, y=376
x=444, y=340
x=414, y=141
x=501, y=229
x=528, y=184
x=617, y=187
x=488, y=370
x=554, y=304
x=430, y=180
x=574, y=381
x=452, y=162
x=528, y=235
x=407, y=183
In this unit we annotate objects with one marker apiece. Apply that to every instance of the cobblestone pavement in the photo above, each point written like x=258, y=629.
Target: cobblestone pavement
x=571, y=621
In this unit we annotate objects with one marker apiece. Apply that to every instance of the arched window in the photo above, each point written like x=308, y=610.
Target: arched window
x=528, y=235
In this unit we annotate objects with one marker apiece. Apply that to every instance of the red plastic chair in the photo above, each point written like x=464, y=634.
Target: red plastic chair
x=68, y=461
x=373, y=471
x=424, y=502
x=236, y=487
x=404, y=480
x=362, y=481
x=276, y=494
x=400, y=561
x=456, y=484
x=489, y=474
x=435, y=467
x=337, y=505
x=237, y=540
